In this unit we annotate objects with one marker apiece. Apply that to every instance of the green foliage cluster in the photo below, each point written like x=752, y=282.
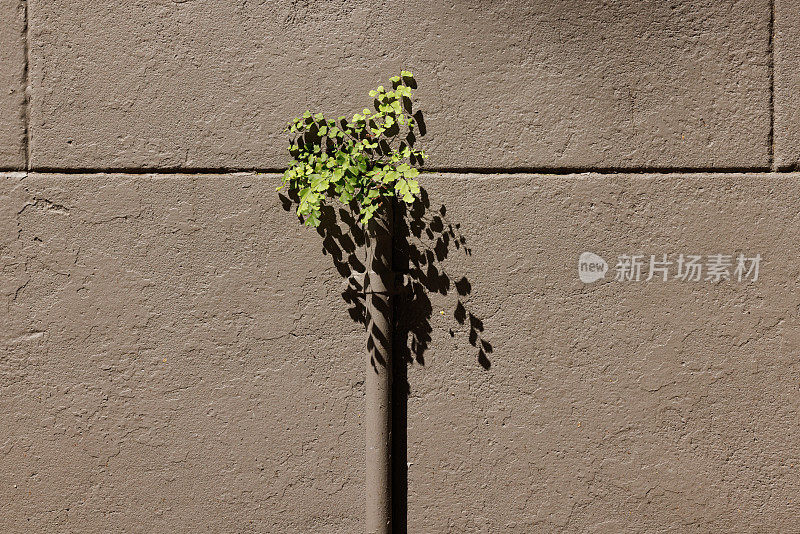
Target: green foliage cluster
x=359, y=161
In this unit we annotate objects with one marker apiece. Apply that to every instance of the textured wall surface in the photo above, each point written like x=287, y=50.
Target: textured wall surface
x=12, y=66
x=155, y=366
x=617, y=406
x=211, y=83
x=787, y=84
x=176, y=354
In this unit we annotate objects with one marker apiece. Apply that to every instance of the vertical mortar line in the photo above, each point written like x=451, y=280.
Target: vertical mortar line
x=771, y=70
x=26, y=141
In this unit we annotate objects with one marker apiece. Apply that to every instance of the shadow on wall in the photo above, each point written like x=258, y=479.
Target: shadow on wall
x=422, y=240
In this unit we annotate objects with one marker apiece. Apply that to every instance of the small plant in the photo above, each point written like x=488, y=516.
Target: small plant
x=361, y=161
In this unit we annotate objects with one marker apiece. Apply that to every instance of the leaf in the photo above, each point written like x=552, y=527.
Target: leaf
x=313, y=219
x=344, y=159
x=319, y=182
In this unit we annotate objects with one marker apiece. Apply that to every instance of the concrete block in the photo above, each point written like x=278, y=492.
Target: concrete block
x=12, y=94
x=787, y=84
x=546, y=404
x=210, y=84
x=174, y=353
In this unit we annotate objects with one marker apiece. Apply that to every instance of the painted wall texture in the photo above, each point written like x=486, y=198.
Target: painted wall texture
x=178, y=354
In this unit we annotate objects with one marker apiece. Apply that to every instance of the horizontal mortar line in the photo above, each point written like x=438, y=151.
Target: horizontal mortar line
x=597, y=170
x=434, y=170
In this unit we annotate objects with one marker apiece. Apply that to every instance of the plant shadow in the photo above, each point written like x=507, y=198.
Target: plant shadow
x=423, y=239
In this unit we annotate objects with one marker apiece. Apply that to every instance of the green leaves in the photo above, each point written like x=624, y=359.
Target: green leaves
x=360, y=162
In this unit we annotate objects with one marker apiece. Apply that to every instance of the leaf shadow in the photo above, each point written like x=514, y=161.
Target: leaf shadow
x=423, y=240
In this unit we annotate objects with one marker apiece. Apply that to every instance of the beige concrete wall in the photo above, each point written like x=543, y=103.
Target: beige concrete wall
x=787, y=85
x=177, y=353
x=210, y=84
x=619, y=406
x=13, y=70
x=166, y=364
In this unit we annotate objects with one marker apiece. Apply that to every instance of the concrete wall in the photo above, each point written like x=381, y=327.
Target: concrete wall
x=178, y=354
